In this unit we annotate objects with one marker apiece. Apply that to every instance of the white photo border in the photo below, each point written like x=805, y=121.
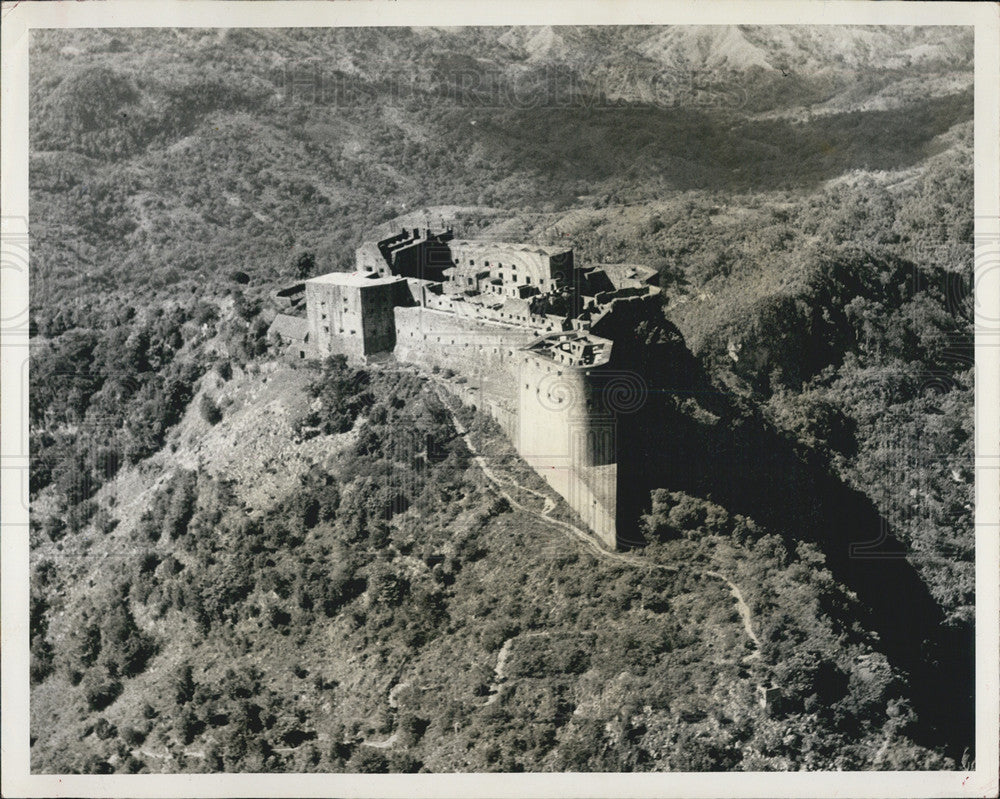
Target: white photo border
x=17, y=21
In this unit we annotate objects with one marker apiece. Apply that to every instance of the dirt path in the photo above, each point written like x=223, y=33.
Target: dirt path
x=499, y=671
x=388, y=742
x=744, y=611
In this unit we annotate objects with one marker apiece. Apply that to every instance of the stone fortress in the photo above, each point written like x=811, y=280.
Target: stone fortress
x=521, y=331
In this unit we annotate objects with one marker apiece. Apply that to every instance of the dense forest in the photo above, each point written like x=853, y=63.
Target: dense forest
x=242, y=566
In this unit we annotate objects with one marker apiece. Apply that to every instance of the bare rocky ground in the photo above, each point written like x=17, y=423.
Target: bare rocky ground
x=256, y=445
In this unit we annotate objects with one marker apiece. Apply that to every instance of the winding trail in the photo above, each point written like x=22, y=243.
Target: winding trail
x=386, y=744
x=585, y=538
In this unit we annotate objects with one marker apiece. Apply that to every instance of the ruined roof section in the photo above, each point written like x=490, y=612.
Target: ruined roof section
x=369, y=253
x=292, y=328
x=573, y=348
x=629, y=275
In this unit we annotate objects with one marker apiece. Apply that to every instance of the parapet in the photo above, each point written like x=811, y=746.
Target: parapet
x=351, y=279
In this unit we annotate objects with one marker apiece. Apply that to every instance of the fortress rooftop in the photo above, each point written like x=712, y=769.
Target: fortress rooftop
x=354, y=279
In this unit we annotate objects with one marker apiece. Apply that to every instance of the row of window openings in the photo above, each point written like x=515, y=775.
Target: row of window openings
x=322, y=307
x=464, y=344
x=513, y=274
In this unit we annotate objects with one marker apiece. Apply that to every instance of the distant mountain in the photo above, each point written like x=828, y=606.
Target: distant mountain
x=611, y=56
x=594, y=56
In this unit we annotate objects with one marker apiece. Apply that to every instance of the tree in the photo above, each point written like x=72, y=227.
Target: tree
x=305, y=265
x=86, y=645
x=42, y=655
x=181, y=507
x=125, y=649
x=188, y=725
x=184, y=685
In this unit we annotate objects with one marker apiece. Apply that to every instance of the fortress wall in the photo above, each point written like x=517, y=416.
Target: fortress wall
x=485, y=354
x=352, y=320
x=592, y=493
x=367, y=258
x=546, y=410
x=566, y=436
x=564, y=411
x=499, y=258
x=506, y=417
x=378, y=319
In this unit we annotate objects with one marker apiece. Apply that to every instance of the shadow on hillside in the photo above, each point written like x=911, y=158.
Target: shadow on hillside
x=746, y=466
x=718, y=149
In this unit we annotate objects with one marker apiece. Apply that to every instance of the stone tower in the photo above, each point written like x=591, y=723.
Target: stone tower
x=567, y=429
x=351, y=314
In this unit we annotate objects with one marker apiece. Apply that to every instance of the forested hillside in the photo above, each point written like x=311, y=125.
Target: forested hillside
x=241, y=566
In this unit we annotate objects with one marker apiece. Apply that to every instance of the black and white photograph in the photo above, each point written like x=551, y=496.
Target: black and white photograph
x=412, y=397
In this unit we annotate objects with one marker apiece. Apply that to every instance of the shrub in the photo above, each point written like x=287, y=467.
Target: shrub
x=278, y=618
x=104, y=522
x=411, y=729
x=125, y=649
x=368, y=761
x=189, y=726
x=103, y=729
x=210, y=411
x=403, y=763
x=100, y=689
x=131, y=765
x=133, y=737
x=184, y=685
x=305, y=265
x=41, y=659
